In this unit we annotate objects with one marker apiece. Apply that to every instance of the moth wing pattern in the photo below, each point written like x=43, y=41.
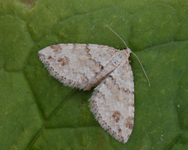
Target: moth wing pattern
x=113, y=102
x=89, y=65
x=79, y=65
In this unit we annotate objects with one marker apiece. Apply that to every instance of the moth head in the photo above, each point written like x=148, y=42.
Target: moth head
x=129, y=52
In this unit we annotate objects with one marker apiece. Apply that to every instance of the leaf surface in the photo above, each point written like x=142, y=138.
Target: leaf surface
x=38, y=112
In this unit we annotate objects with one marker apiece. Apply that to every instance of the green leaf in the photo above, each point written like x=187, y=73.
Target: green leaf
x=38, y=112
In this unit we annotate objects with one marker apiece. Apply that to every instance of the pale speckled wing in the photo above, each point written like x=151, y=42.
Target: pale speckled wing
x=113, y=102
x=80, y=65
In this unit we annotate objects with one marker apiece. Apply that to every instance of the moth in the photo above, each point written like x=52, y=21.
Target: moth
x=90, y=65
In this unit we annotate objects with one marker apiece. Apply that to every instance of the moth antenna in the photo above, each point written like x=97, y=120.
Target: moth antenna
x=118, y=36
x=132, y=53
x=142, y=68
